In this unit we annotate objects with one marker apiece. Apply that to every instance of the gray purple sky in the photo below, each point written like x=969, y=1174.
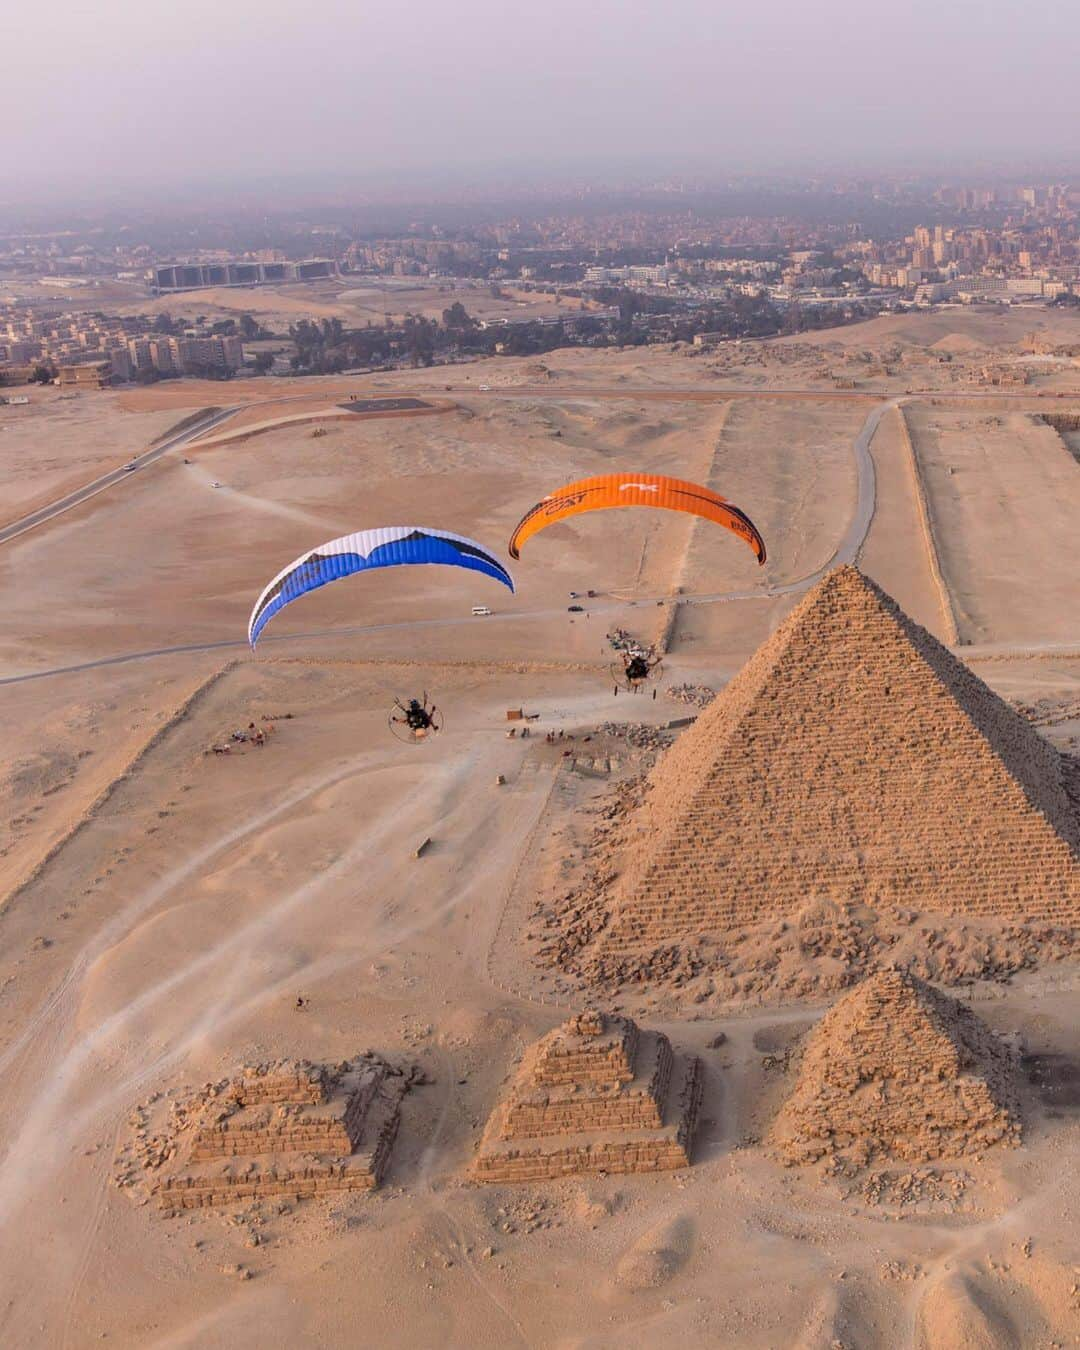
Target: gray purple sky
x=124, y=94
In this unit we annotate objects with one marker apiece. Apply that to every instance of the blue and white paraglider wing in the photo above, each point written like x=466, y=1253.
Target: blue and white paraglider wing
x=391, y=546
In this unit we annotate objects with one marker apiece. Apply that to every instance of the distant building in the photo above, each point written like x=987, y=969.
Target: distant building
x=18, y=353
x=197, y=276
x=161, y=356
x=88, y=375
x=139, y=354
x=606, y=276
x=120, y=362
x=1024, y=285
x=214, y=353
x=15, y=374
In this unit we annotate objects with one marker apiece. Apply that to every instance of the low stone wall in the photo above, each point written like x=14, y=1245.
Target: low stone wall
x=617, y=1158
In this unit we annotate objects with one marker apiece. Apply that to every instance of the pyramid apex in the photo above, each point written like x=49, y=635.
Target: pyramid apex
x=846, y=579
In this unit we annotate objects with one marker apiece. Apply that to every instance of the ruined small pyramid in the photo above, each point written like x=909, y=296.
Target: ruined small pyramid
x=853, y=759
x=289, y=1129
x=896, y=1069
x=594, y=1095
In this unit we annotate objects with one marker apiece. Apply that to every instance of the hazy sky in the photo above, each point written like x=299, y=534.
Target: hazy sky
x=123, y=93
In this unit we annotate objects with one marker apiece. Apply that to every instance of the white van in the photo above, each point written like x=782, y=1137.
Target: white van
x=480, y=610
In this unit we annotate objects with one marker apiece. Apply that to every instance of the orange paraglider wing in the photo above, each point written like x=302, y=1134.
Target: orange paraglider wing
x=636, y=489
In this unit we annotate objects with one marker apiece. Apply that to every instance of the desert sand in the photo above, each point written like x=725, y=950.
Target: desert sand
x=355, y=300
x=164, y=908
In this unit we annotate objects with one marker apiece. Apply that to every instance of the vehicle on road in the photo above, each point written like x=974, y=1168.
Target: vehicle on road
x=480, y=610
x=130, y=468
x=575, y=609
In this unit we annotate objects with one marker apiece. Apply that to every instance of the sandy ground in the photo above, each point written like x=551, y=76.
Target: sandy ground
x=165, y=906
x=982, y=474
x=62, y=440
x=355, y=300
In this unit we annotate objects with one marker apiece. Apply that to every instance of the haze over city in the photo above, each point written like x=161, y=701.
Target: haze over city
x=130, y=95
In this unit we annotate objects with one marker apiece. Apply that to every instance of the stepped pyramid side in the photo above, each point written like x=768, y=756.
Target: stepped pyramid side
x=897, y=1069
x=853, y=758
x=290, y=1129
x=630, y=1104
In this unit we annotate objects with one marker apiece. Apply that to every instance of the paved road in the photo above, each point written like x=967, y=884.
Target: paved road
x=112, y=478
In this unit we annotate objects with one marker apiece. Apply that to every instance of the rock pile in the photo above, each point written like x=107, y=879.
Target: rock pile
x=594, y=1095
x=639, y=735
x=694, y=695
x=898, y=1070
x=853, y=760
x=290, y=1128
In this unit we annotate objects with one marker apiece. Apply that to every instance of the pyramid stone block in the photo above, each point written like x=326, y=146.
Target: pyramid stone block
x=594, y=1095
x=853, y=759
x=896, y=1069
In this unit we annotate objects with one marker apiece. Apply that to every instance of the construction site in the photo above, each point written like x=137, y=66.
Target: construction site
x=736, y=1002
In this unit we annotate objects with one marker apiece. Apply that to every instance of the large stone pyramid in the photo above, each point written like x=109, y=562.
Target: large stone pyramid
x=896, y=1069
x=594, y=1095
x=854, y=758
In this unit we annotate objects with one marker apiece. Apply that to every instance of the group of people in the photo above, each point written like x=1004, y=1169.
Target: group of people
x=249, y=735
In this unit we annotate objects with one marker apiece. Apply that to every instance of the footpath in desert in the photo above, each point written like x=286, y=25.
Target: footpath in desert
x=746, y=1015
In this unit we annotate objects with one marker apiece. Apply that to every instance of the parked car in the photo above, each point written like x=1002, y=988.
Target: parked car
x=575, y=609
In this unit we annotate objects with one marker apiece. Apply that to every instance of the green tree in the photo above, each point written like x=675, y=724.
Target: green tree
x=458, y=318
x=419, y=340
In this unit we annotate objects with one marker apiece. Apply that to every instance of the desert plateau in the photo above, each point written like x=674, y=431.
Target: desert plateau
x=739, y=1010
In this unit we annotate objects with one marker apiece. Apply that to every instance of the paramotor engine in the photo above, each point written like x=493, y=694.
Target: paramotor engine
x=416, y=721
x=637, y=671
